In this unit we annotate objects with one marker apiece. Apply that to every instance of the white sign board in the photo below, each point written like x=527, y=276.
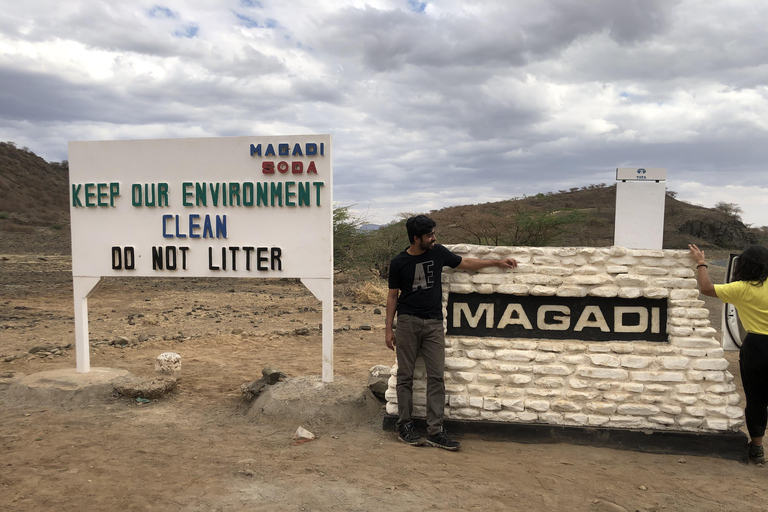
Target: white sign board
x=640, y=174
x=214, y=207
x=218, y=207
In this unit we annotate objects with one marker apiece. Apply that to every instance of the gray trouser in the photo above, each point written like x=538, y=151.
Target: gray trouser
x=415, y=336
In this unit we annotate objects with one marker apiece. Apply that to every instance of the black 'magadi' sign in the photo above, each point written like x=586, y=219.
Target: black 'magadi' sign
x=582, y=318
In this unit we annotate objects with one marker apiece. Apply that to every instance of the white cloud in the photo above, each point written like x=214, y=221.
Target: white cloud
x=430, y=103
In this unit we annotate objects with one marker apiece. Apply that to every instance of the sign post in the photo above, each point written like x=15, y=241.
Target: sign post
x=640, y=197
x=247, y=207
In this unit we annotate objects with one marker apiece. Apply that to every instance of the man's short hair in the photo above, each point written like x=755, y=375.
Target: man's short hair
x=419, y=225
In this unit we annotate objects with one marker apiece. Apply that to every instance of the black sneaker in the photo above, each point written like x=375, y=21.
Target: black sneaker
x=756, y=454
x=408, y=435
x=443, y=440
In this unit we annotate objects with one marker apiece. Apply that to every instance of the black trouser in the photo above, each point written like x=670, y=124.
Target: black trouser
x=416, y=336
x=753, y=363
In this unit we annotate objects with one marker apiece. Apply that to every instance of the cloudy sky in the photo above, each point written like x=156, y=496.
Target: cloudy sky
x=430, y=104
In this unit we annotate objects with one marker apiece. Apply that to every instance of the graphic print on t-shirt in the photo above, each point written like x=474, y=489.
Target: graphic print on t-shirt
x=423, y=277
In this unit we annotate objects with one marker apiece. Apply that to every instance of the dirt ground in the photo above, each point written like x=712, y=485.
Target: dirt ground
x=202, y=449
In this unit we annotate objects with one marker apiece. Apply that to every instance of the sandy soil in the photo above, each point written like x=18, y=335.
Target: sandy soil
x=202, y=449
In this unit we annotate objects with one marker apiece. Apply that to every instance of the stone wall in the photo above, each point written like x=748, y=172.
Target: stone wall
x=679, y=384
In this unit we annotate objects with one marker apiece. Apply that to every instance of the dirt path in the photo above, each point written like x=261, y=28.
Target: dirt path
x=199, y=450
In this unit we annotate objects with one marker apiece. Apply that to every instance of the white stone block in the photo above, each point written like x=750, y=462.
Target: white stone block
x=604, y=360
x=626, y=421
x=553, y=418
x=453, y=388
x=637, y=409
x=465, y=413
x=662, y=420
x=721, y=388
x=681, y=294
x=514, y=355
x=553, y=369
x=616, y=397
x=626, y=292
x=537, y=405
x=514, y=289
x=390, y=395
x=582, y=396
x=543, y=291
x=680, y=330
x=631, y=281
x=604, y=291
x=490, y=378
x=698, y=412
x=539, y=280
x=480, y=390
x=549, y=382
x=572, y=359
x=674, y=362
x=514, y=404
x=545, y=358
x=668, y=282
x=476, y=401
x=392, y=408
x=464, y=376
x=506, y=368
x=697, y=313
x=574, y=418
x=655, y=293
x=571, y=291
x=693, y=342
x=616, y=269
x=459, y=363
x=480, y=354
x=632, y=387
x=622, y=348
x=602, y=373
x=632, y=361
x=599, y=347
x=688, y=389
x=652, y=376
x=489, y=415
x=566, y=406
x=716, y=424
x=685, y=399
x=710, y=364
x=602, y=407
x=712, y=399
x=461, y=288
x=491, y=404
x=527, y=416
x=656, y=388
x=597, y=421
x=694, y=352
x=488, y=278
x=507, y=416
x=458, y=400
x=671, y=409
x=543, y=393
x=688, y=422
x=716, y=352
x=579, y=383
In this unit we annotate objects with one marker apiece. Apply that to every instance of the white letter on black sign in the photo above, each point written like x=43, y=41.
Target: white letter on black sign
x=520, y=319
x=472, y=320
x=563, y=321
x=599, y=320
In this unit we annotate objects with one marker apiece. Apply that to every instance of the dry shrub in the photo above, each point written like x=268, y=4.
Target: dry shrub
x=371, y=292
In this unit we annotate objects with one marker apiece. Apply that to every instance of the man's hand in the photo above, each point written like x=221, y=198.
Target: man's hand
x=508, y=263
x=389, y=339
x=697, y=254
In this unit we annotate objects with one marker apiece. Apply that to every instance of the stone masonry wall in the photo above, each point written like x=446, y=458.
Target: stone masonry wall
x=682, y=384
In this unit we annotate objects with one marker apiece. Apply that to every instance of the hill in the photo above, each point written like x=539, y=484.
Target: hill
x=33, y=192
x=34, y=195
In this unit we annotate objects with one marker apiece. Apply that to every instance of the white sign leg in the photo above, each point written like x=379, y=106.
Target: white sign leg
x=322, y=289
x=83, y=288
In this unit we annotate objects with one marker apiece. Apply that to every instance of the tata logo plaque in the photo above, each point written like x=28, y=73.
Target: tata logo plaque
x=576, y=318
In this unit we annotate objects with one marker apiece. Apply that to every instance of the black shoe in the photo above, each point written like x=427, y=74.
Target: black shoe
x=408, y=435
x=443, y=440
x=756, y=454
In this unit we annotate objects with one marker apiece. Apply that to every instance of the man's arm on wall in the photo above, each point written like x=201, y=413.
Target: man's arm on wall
x=389, y=333
x=477, y=264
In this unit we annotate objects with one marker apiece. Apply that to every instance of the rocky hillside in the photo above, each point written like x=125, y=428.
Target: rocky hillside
x=34, y=194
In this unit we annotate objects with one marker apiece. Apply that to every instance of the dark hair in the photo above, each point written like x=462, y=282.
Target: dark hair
x=752, y=265
x=418, y=226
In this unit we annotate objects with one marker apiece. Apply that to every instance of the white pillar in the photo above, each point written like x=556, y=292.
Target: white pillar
x=83, y=288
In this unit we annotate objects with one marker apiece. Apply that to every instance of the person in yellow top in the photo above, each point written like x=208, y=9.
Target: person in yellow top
x=749, y=294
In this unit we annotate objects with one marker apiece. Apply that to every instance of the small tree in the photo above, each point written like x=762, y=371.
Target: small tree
x=731, y=209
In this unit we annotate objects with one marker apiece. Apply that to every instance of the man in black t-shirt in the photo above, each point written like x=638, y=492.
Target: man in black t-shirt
x=416, y=294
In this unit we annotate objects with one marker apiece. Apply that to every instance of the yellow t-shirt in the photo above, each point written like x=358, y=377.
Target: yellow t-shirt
x=751, y=302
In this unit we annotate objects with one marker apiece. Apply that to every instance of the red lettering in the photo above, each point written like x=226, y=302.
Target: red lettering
x=282, y=167
x=297, y=167
x=268, y=167
x=311, y=169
